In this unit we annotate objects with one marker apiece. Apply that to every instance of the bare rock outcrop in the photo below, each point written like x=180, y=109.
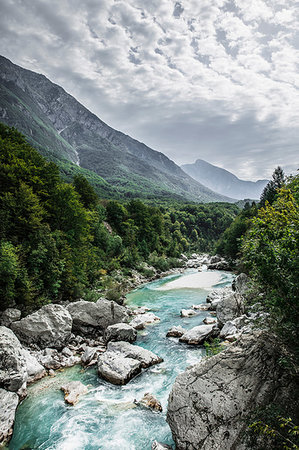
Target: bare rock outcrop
x=120, y=332
x=198, y=335
x=122, y=361
x=50, y=326
x=13, y=372
x=229, y=308
x=9, y=316
x=209, y=401
x=8, y=405
x=89, y=317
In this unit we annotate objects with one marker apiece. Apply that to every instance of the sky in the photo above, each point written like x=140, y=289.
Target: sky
x=211, y=79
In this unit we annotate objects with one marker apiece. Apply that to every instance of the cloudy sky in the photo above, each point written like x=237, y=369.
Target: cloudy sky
x=210, y=79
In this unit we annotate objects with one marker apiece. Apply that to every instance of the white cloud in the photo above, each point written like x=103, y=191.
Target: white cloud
x=125, y=59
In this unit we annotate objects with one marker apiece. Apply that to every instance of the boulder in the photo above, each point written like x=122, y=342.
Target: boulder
x=8, y=405
x=221, y=265
x=72, y=391
x=149, y=401
x=229, y=308
x=9, y=316
x=198, y=335
x=146, y=357
x=176, y=332
x=117, y=369
x=218, y=294
x=209, y=320
x=241, y=283
x=210, y=402
x=122, y=361
x=50, y=326
x=13, y=372
x=187, y=312
x=88, y=356
x=158, y=446
x=89, y=317
x=201, y=307
x=35, y=370
x=141, y=320
x=120, y=332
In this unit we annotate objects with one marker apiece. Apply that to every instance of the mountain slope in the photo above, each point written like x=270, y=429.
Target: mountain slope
x=61, y=128
x=223, y=181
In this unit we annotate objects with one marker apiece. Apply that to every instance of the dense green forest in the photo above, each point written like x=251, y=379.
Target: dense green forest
x=58, y=239
x=265, y=240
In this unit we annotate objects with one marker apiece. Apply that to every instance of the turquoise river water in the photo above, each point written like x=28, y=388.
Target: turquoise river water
x=106, y=418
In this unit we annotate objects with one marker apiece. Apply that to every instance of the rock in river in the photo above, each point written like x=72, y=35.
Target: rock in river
x=122, y=361
x=13, y=372
x=50, y=326
x=89, y=317
x=72, y=391
x=141, y=320
x=120, y=332
x=34, y=369
x=187, y=312
x=149, y=401
x=198, y=335
x=8, y=405
x=210, y=401
x=176, y=331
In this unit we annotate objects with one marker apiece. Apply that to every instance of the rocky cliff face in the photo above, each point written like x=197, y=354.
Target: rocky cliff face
x=210, y=403
x=223, y=181
x=57, y=123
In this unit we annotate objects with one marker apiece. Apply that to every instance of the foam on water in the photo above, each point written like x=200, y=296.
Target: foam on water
x=106, y=417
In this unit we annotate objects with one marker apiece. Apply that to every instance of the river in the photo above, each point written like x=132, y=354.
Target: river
x=106, y=418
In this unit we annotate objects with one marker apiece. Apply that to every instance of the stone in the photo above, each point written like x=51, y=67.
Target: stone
x=209, y=320
x=176, y=332
x=142, y=320
x=88, y=356
x=201, y=307
x=8, y=405
x=187, y=312
x=13, y=371
x=146, y=357
x=9, y=316
x=229, y=329
x=158, y=446
x=210, y=402
x=35, y=370
x=117, y=369
x=89, y=317
x=50, y=326
x=140, y=310
x=215, y=259
x=67, y=352
x=198, y=335
x=72, y=391
x=229, y=308
x=241, y=283
x=221, y=265
x=120, y=332
x=149, y=401
x=122, y=361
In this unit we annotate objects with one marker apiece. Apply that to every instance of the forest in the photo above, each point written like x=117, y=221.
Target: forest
x=59, y=240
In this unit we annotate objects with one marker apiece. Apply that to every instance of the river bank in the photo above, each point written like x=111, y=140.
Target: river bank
x=51, y=356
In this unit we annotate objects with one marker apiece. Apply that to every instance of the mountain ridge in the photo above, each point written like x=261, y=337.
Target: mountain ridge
x=57, y=124
x=222, y=181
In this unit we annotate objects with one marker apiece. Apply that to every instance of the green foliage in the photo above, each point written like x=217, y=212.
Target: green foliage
x=57, y=238
x=213, y=347
x=269, y=429
x=271, y=256
x=269, y=193
x=229, y=244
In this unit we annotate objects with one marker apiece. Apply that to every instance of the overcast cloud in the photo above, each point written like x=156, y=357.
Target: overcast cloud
x=210, y=79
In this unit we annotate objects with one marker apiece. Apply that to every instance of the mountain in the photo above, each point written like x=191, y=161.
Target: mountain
x=223, y=181
x=64, y=130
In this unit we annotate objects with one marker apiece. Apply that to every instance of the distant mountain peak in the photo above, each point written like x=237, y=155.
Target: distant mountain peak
x=60, y=127
x=222, y=181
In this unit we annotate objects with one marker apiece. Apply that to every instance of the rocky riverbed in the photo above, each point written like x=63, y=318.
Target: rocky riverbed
x=98, y=334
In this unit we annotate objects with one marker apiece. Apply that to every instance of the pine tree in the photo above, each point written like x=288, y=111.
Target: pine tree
x=270, y=191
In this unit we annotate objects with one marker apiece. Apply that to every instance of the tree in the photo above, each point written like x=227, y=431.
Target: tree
x=271, y=189
x=86, y=192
